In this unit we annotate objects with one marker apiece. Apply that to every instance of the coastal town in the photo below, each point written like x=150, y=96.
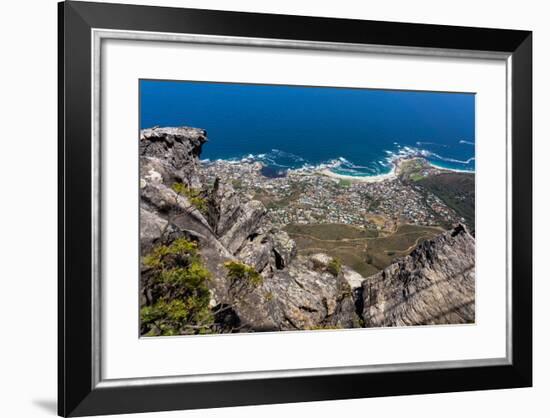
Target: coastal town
x=309, y=196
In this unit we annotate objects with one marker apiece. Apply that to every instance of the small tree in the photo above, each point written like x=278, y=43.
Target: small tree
x=177, y=275
x=243, y=278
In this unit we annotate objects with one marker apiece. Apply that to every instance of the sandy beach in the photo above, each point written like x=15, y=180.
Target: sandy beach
x=360, y=179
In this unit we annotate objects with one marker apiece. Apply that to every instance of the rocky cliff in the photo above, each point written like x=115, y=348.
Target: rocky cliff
x=435, y=284
x=213, y=262
x=289, y=292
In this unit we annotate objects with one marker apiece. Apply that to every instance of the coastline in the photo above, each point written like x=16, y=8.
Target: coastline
x=388, y=176
x=326, y=171
x=454, y=170
x=329, y=194
x=361, y=179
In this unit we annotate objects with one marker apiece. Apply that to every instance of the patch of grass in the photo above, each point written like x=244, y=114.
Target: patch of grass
x=324, y=327
x=344, y=183
x=193, y=195
x=334, y=267
x=416, y=177
x=239, y=272
x=411, y=169
x=360, y=250
x=331, y=231
x=382, y=251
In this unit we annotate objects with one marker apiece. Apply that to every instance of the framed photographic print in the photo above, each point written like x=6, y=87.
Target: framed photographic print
x=265, y=208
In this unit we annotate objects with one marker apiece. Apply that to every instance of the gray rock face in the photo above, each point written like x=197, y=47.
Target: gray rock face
x=284, y=249
x=245, y=224
x=257, y=252
x=354, y=279
x=151, y=229
x=435, y=284
x=299, y=297
x=224, y=205
x=175, y=208
x=176, y=151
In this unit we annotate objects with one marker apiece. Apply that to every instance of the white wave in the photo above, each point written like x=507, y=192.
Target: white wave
x=340, y=165
x=463, y=141
x=457, y=170
x=410, y=152
x=453, y=160
x=278, y=153
x=349, y=164
x=420, y=143
x=274, y=163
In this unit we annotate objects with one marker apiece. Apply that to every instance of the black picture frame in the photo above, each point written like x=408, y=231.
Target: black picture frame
x=77, y=393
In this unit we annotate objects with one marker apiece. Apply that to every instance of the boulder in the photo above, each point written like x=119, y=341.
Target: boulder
x=257, y=252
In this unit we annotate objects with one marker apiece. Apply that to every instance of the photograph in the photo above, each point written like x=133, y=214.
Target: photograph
x=268, y=207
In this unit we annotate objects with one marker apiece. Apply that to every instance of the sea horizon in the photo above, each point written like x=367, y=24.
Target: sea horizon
x=351, y=132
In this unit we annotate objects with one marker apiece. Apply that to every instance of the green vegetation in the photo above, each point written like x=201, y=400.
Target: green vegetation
x=344, y=183
x=177, y=273
x=382, y=251
x=374, y=205
x=324, y=327
x=334, y=267
x=194, y=276
x=193, y=195
x=347, y=243
x=242, y=273
x=362, y=250
x=412, y=169
x=272, y=202
x=457, y=191
x=331, y=231
x=181, y=247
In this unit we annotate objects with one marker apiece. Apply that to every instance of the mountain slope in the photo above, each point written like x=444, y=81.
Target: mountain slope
x=435, y=284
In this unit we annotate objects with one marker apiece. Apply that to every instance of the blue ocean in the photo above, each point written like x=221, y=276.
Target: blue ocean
x=355, y=132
